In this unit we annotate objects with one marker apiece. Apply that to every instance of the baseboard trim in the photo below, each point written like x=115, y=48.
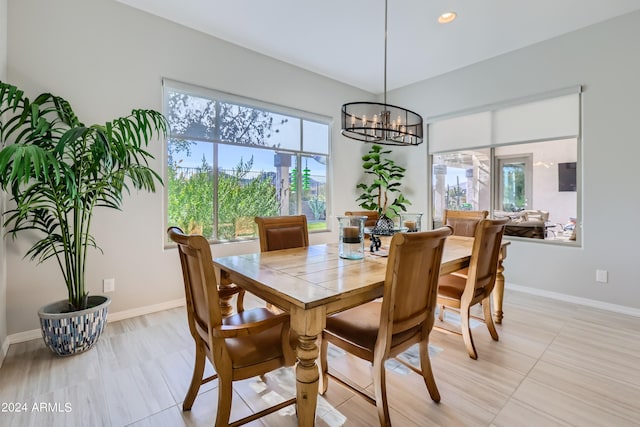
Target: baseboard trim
x=576, y=300
x=4, y=349
x=112, y=317
x=141, y=311
x=24, y=336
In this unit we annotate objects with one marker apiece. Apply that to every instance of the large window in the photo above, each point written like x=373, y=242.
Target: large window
x=525, y=167
x=461, y=181
x=230, y=159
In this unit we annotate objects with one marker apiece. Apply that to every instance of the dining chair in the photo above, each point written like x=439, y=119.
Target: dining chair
x=282, y=232
x=460, y=293
x=226, y=290
x=464, y=223
x=382, y=329
x=244, y=345
x=372, y=217
x=370, y=222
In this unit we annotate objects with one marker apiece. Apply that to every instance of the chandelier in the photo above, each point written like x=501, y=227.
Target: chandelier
x=382, y=123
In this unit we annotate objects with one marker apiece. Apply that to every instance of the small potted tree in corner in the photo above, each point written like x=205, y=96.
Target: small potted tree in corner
x=57, y=171
x=383, y=194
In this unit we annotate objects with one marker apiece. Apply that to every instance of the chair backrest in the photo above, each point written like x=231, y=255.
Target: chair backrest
x=200, y=287
x=464, y=223
x=282, y=232
x=483, y=266
x=372, y=217
x=411, y=281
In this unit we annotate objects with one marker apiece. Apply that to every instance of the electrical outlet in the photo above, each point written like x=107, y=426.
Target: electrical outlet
x=108, y=285
x=602, y=276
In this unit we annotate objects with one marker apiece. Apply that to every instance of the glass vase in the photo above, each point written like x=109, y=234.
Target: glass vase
x=410, y=222
x=351, y=235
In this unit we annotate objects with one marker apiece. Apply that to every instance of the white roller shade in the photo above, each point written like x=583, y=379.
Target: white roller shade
x=546, y=119
x=473, y=130
x=554, y=117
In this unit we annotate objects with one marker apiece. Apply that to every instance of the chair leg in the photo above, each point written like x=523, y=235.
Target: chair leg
x=196, y=378
x=225, y=395
x=324, y=366
x=466, y=332
x=380, y=387
x=488, y=318
x=427, y=372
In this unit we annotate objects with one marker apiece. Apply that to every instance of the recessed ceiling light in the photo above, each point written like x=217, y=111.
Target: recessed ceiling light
x=447, y=17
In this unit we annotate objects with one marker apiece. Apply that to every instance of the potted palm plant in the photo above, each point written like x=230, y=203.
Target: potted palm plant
x=382, y=194
x=57, y=170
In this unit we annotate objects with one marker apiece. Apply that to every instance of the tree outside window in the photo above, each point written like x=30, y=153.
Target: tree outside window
x=228, y=162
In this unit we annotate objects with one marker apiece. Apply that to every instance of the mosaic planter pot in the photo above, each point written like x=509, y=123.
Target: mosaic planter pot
x=73, y=332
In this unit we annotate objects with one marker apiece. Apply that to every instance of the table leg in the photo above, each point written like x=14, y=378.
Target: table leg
x=498, y=289
x=226, y=309
x=307, y=380
x=308, y=324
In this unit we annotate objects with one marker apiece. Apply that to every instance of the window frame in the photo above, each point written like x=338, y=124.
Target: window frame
x=482, y=123
x=169, y=85
x=527, y=159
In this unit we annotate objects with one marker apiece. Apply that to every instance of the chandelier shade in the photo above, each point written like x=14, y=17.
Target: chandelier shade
x=381, y=123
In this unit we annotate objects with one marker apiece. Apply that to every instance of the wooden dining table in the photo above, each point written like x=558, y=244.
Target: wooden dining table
x=313, y=282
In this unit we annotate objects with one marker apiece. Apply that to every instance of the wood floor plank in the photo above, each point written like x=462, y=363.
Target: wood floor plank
x=135, y=393
x=517, y=413
x=556, y=364
x=203, y=412
x=170, y=417
x=596, y=349
x=607, y=399
x=560, y=404
x=176, y=369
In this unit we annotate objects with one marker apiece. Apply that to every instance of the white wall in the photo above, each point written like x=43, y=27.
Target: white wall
x=107, y=58
x=3, y=261
x=605, y=59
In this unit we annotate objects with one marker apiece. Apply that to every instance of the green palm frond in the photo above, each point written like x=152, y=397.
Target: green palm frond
x=57, y=170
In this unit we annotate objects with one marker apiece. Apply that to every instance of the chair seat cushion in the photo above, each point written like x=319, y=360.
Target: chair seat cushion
x=247, y=351
x=451, y=286
x=360, y=326
x=248, y=316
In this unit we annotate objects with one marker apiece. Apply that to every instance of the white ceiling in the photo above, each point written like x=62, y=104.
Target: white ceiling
x=344, y=39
